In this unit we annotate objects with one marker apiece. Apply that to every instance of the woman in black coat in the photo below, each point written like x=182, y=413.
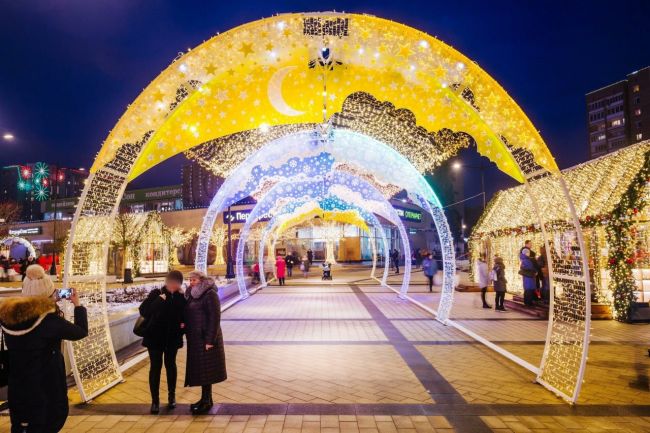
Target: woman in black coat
x=33, y=330
x=163, y=310
x=206, y=358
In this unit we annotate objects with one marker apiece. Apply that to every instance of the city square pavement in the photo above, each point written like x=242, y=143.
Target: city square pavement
x=349, y=356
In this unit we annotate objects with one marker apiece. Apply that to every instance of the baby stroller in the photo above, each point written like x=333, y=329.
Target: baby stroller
x=327, y=272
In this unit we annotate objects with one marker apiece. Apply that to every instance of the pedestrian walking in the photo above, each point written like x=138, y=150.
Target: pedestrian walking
x=482, y=275
x=430, y=268
x=310, y=256
x=280, y=269
x=206, y=357
x=498, y=275
x=304, y=267
x=418, y=257
x=289, y=260
x=528, y=272
x=163, y=311
x=33, y=329
x=256, y=273
x=394, y=256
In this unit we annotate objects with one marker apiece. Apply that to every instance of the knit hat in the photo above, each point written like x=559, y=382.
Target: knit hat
x=198, y=274
x=37, y=283
x=175, y=275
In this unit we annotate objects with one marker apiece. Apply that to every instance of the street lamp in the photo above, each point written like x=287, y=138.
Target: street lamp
x=230, y=271
x=56, y=201
x=457, y=166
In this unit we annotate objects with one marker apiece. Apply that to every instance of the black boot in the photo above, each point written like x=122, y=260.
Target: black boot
x=171, y=400
x=155, y=408
x=193, y=406
x=205, y=404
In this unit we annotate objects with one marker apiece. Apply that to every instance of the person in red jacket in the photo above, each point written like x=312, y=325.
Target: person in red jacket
x=281, y=269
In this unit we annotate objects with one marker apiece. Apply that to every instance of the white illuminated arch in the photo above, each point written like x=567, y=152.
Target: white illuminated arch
x=355, y=153
x=375, y=224
x=22, y=241
x=334, y=187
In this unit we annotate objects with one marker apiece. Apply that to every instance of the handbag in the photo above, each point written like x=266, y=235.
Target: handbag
x=527, y=273
x=141, y=325
x=4, y=362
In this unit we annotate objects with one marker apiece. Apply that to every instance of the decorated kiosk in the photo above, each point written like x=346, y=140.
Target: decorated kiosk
x=611, y=195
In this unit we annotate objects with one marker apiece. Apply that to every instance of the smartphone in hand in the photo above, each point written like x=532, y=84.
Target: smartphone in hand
x=64, y=293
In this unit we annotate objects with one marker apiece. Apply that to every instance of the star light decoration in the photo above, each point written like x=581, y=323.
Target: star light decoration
x=381, y=58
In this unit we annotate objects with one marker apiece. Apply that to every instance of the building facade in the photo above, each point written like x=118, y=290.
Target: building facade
x=199, y=185
x=32, y=184
x=618, y=115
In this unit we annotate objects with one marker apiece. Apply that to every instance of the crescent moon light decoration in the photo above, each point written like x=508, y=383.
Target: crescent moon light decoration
x=275, y=92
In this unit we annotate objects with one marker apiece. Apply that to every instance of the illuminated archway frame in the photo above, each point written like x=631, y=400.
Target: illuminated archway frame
x=393, y=63
x=277, y=226
x=22, y=241
x=336, y=190
x=316, y=207
x=311, y=154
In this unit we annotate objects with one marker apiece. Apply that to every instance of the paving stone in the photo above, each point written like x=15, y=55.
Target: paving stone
x=322, y=351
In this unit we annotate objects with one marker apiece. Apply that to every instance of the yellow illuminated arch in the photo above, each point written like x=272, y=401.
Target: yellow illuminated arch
x=349, y=216
x=270, y=72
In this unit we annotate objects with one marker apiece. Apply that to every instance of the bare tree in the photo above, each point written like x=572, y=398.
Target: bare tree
x=9, y=212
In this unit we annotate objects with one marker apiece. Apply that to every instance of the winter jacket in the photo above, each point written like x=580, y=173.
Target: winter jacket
x=38, y=392
x=281, y=267
x=482, y=274
x=429, y=267
x=528, y=266
x=202, y=326
x=501, y=283
x=164, y=318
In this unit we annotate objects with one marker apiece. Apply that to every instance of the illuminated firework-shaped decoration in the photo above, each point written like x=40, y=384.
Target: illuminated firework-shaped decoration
x=35, y=179
x=41, y=192
x=26, y=173
x=41, y=170
x=41, y=182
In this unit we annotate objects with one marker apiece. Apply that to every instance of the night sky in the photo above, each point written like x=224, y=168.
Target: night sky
x=68, y=68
